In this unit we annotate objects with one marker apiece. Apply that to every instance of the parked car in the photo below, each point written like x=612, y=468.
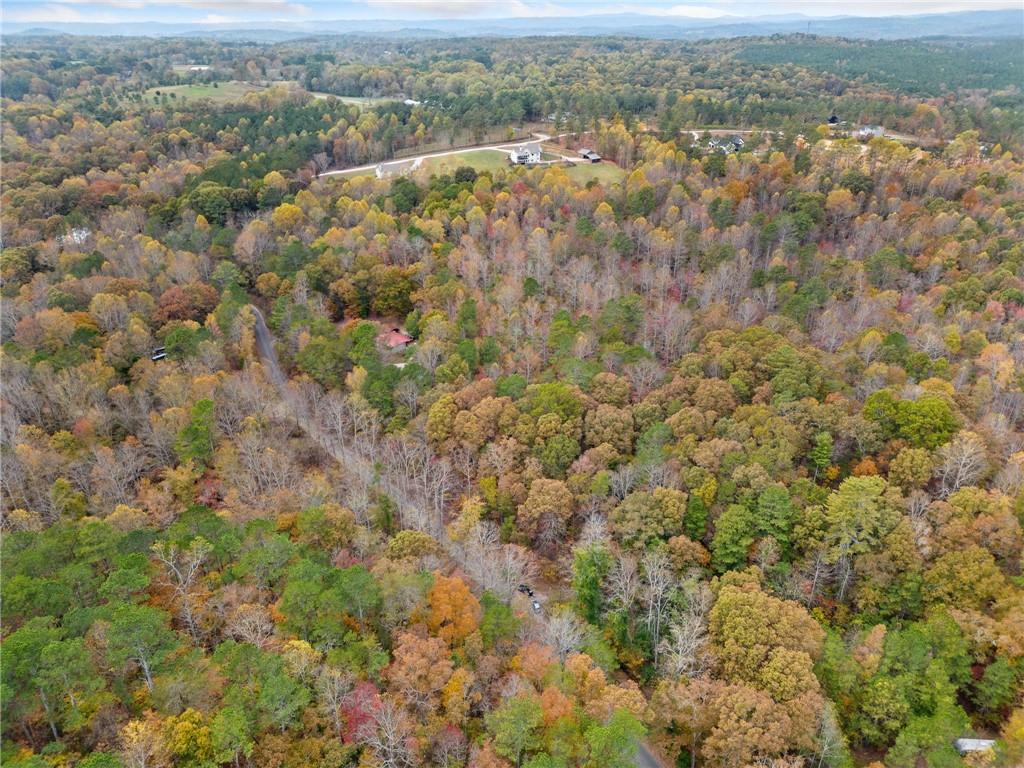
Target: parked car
x=536, y=606
x=525, y=589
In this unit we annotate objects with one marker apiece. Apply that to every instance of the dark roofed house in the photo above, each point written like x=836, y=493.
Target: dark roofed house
x=833, y=119
x=395, y=339
x=591, y=155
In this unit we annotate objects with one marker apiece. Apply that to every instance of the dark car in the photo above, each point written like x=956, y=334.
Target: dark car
x=525, y=589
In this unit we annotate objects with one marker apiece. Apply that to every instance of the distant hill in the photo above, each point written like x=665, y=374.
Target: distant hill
x=1006, y=24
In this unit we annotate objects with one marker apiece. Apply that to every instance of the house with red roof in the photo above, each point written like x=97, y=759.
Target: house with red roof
x=395, y=339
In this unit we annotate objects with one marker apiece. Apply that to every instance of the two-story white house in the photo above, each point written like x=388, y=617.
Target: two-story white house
x=525, y=154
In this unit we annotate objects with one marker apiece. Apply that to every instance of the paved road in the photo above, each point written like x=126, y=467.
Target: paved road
x=417, y=160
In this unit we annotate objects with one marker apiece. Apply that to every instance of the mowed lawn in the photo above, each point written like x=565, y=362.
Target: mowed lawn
x=606, y=173
x=477, y=159
x=235, y=90
x=222, y=93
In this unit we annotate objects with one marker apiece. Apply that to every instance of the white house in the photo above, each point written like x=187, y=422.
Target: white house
x=525, y=154
x=870, y=132
x=965, y=746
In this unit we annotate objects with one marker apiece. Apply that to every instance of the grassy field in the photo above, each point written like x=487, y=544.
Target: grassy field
x=606, y=173
x=479, y=159
x=351, y=174
x=233, y=90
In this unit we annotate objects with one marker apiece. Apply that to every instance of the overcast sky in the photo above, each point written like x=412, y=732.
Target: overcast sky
x=236, y=11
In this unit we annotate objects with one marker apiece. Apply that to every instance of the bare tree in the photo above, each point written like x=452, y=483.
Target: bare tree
x=494, y=566
x=644, y=376
x=623, y=583
x=624, y=479
x=684, y=648
x=251, y=623
x=115, y=472
x=961, y=462
x=388, y=734
x=182, y=569
x=407, y=393
x=320, y=162
x=563, y=632
x=332, y=688
x=1010, y=478
x=815, y=575
x=830, y=743
x=594, y=531
x=657, y=585
x=449, y=748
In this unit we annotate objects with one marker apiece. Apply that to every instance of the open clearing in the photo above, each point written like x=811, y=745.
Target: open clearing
x=478, y=160
x=490, y=158
x=235, y=90
x=605, y=172
x=362, y=101
x=220, y=93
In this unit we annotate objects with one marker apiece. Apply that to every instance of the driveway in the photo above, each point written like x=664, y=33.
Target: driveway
x=415, y=161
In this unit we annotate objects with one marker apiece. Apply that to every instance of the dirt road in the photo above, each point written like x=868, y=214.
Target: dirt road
x=359, y=465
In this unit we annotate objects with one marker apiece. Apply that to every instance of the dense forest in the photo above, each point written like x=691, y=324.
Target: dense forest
x=718, y=455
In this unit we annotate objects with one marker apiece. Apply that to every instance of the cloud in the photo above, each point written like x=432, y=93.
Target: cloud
x=454, y=9
x=225, y=11
x=51, y=12
x=691, y=11
x=694, y=11
x=258, y=7
x=434, y=8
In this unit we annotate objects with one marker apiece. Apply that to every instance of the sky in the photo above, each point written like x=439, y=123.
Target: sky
x=248, y=11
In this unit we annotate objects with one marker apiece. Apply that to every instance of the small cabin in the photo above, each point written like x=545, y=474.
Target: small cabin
x=395, y=339
x=526, y=154
x=158, y=354
x=833, y=119
x=870, y=132
x=590, y=155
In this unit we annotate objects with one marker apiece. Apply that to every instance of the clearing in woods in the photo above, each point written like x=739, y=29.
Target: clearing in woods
x=221, y=93
x=606, y=172
x=224, y=92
